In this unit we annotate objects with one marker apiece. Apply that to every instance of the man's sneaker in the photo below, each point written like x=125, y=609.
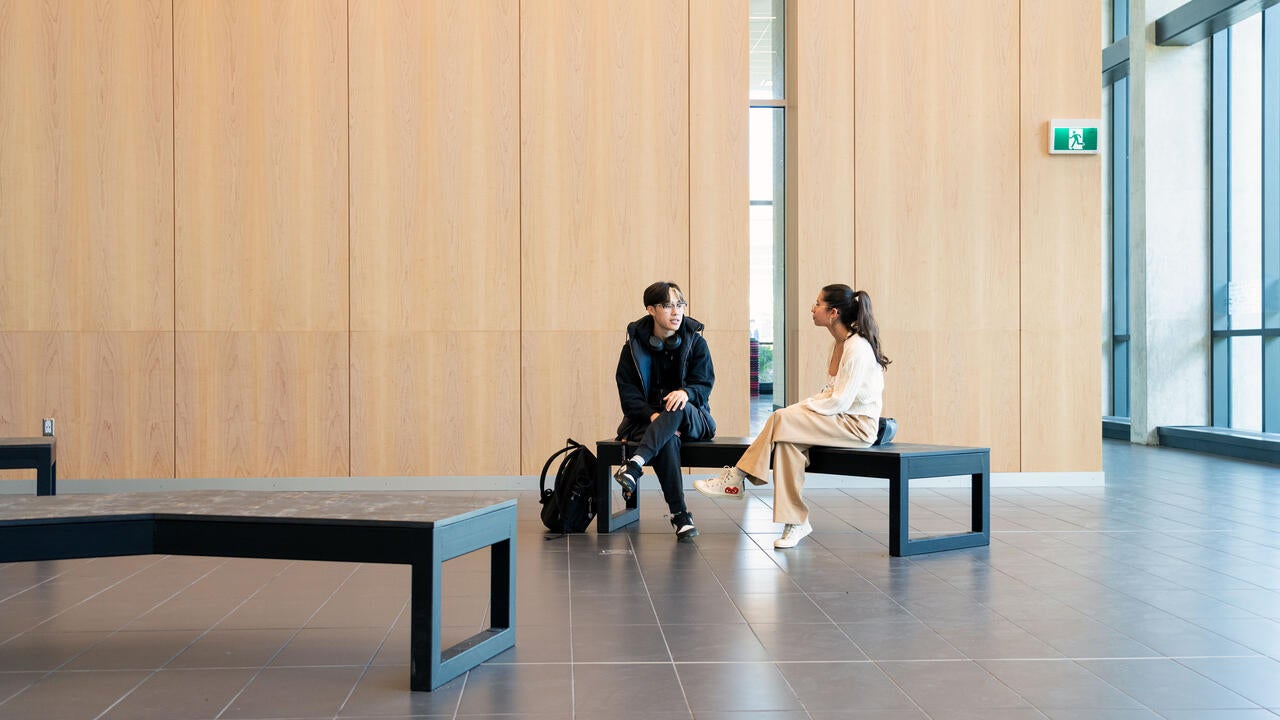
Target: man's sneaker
x=683, y=523
x=728, y=484
x=627, y=476
x=793, y=534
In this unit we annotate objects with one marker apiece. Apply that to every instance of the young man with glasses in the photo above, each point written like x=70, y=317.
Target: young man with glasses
x=664, y=382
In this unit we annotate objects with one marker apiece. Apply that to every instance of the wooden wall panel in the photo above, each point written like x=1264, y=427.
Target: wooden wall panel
x=86, y=232
x=937, y=214
x=111, y=394
x=821, y=251
x=261, y=165
x=552, y=362
x=265, y=404
x=435, y=236
x=718, y=199
x=604, y=190
x=435, y=403
x=1061, y=274
x=435, y=165
x=262, y=238
x=86, y=193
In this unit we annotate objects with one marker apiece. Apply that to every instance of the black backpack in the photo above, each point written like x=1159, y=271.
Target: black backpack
x=570, y=506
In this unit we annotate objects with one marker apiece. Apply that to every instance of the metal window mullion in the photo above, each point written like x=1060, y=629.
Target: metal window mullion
x=1120, y=247
x=1271, y=217
x=1221, y=226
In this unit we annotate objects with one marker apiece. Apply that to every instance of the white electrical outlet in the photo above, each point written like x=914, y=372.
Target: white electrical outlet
x=48, y=427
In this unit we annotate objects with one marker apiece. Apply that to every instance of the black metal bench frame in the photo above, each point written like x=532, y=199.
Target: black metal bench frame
x=424, y=546
x=39, y=453
x=899, y=463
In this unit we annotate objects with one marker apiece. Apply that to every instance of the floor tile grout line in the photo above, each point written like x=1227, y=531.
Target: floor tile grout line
x=65, y=610
x=684, y=695
x=258, y=672
x=63, y=664
x=170, y=659
x=367, y=666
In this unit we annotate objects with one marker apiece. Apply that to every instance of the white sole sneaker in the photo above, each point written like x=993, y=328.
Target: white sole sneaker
x=793, y=534
x=721, y=487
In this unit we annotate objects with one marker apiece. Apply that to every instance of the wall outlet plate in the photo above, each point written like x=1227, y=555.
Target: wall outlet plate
x=48, y=427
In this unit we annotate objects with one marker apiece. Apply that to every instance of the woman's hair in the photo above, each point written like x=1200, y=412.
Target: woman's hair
x=855, y=314
x=660, y=292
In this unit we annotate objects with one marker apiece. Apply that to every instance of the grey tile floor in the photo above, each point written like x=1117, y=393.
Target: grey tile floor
x=1157, y=596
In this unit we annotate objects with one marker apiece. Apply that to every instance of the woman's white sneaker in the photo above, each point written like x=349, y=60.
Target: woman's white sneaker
x=728, y=484
x=793, y=534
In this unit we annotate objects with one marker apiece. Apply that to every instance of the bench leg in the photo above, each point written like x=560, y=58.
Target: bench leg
x=502, y=586
x=47, y=479
x=424, y=625
x=980, y=514
x=606, y=520
x=899, y=507
x=431, y=666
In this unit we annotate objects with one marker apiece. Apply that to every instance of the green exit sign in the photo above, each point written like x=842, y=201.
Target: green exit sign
x=1073, y=137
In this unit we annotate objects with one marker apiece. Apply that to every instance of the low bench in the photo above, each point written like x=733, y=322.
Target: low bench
x=402, y=528
x=39, y=453
x=899, y=463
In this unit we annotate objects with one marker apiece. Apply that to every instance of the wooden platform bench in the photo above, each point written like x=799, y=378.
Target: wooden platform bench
x=899, y=463
x=27, y=453
x=415, y=529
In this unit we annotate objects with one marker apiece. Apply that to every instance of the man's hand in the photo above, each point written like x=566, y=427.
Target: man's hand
x=676, y=399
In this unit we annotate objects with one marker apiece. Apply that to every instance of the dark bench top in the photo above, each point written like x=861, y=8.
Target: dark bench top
x=899, y=463
x=894, y=448
x=28, y=442
x=41, y=444
x=417, y=529
x=345, y=508
x=876, y=461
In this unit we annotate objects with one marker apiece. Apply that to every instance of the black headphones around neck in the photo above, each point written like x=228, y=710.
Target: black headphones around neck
x=670, y=343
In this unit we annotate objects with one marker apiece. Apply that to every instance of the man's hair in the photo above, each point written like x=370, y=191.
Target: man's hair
x=660, y=292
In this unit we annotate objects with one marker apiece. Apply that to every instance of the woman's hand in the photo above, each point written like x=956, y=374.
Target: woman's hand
x=676, y=399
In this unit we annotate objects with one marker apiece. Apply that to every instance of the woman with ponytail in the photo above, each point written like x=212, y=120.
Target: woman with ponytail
x=844, y=413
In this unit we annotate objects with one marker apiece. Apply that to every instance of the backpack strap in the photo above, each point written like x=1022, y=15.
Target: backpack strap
x=570, y=444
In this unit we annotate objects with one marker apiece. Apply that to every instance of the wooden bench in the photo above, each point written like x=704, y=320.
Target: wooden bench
x=899, y=463
x=406, y=528
x=40, y=453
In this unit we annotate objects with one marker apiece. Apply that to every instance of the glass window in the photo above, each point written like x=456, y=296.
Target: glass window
x=1246, y=383
x=768, y=79
x=1244, y=284
x=767, y=178
x=1115, y=152
x=1246, y=210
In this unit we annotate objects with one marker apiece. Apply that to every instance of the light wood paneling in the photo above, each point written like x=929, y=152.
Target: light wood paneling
x=731, y=397
x=937, y=213
x=262, y=405
x=605, y=158
x=822, y=251
x=261, y=165
x=435, y=236
x=435, y=165
x=435, y=403
x=86, y=165
x=1061, y=274
x=604, y=195
x=955, y=385
x=718, y=198
x=568, y=391
x=111, y=394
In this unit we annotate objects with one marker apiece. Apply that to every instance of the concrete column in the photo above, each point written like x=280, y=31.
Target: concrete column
x=1169, y=225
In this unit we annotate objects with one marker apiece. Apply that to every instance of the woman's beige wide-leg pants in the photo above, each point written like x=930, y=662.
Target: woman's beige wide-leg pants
x=787, y=435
